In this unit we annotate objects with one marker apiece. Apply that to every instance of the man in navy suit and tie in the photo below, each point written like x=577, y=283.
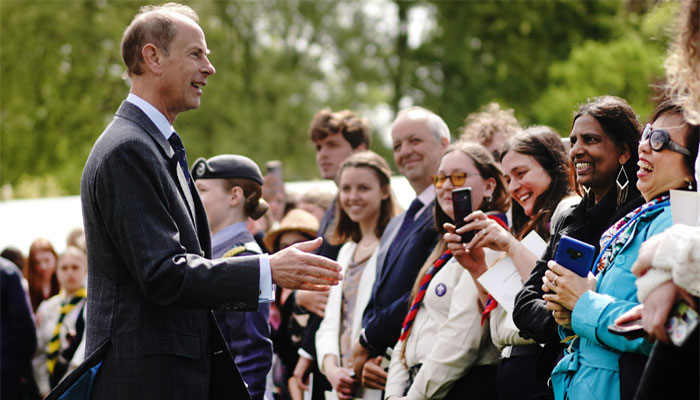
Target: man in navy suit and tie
x=152, y=283
x=419, y=138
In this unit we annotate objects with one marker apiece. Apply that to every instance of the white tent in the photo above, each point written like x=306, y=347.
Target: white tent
x=22, y=221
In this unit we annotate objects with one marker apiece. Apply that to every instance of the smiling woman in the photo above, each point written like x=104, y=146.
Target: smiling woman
x=604, y=137
x=665, y=163
x=364, y=207
x=535, y=167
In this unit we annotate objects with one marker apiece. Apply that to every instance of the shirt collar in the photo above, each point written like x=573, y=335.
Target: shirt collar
x=227, y=234
x=426, y=197
x=153, y=114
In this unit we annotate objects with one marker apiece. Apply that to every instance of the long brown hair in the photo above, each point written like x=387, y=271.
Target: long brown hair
x=544, y=145
x=488, y=168
x=36, y=285
x=345, y=228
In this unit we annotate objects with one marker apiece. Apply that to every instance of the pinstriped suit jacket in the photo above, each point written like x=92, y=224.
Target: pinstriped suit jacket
x=151, y=283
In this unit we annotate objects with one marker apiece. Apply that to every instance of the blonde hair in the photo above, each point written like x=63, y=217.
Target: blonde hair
x=682, y=64
x=482, y=126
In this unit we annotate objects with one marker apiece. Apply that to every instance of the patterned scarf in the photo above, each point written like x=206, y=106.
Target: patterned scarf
x=617, y=235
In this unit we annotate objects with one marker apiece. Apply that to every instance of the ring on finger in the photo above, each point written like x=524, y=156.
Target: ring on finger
x=554, y=281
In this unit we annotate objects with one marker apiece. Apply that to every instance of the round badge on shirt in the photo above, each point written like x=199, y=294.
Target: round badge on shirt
x=441, y=289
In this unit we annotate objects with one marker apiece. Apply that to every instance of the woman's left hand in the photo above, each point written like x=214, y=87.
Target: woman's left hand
x=561, y=315
x=564, y=286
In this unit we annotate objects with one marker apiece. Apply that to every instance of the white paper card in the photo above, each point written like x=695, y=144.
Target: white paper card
x=685, y=207
x=502, y=280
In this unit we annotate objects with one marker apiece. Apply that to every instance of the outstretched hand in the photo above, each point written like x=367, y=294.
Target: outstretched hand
x=296, y=268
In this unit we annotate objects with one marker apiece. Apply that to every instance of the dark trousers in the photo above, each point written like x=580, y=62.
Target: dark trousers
x=517, y=379
x=478, y=383
x=671, y=370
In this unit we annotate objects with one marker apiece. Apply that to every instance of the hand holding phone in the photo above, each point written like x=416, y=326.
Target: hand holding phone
x=629, y=329
x=462, y=206
x=575, y=255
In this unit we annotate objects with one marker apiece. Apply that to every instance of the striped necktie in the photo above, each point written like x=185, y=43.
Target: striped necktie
x=424, y=283
x=54, y=345
x=179, y=148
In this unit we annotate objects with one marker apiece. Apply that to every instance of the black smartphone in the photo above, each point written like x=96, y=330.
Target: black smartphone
x=630, y=329
x=462, y=206
x=575, y=255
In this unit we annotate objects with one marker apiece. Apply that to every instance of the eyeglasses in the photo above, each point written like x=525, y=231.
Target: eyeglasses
x=660, y=139
x=457, y=179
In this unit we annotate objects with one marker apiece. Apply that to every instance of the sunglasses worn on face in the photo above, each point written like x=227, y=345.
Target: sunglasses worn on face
x=660, y=139
x=457, y=179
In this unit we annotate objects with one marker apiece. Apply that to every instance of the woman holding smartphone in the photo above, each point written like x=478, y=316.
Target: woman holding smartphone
x=604, y=137
x=591, y=366
x=365, y=206
x=536, y=169
x=444, y=350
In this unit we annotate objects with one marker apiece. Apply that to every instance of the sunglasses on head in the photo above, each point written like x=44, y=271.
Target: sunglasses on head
x=457, y=179
x=660, y=139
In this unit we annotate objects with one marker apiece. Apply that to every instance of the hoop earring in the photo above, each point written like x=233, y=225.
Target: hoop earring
x=622, y=181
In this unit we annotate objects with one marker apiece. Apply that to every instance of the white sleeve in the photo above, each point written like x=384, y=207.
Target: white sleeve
x=679, y=253
x=457, y=347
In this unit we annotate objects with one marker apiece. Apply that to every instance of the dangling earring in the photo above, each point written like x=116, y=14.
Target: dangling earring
x=488, y=199
x=622, y=183
x=690, y=185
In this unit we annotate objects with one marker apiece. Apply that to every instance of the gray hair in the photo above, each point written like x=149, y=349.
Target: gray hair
x=435, y=124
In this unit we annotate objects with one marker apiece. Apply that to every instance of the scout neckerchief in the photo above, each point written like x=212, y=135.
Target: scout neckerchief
x=54, y=345
x=425, y=281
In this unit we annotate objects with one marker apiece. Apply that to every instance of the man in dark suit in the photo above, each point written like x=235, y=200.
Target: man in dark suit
x=18, y=336
x=419, y=138
x=336, y=135
x=152, y=282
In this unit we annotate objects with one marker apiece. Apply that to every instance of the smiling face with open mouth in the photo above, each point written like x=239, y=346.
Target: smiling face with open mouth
x=660, y=171
x=596, y=157
x=526, y=178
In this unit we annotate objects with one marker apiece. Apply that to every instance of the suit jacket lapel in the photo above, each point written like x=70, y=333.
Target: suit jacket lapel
x=133, y=113
x=423, y=219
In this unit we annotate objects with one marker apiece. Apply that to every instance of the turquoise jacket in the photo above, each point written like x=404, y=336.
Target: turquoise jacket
x=590, y=370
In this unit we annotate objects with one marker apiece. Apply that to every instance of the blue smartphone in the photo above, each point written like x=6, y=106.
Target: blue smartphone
x=575, y=255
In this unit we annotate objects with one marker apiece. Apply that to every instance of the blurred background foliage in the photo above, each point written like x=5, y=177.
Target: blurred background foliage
x=278, y=62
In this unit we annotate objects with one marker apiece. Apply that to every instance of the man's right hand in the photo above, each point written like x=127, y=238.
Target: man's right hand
x=315, y=302
x=295, y=268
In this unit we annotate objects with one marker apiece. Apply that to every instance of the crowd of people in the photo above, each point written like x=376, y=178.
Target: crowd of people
x=411, y=315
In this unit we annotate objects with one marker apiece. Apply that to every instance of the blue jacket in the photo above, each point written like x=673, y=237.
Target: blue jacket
x=391, y=293
x=591, y=370
x=247, y=333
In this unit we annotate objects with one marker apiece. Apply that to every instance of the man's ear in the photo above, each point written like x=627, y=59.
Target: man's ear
x=444, y=144
x=152, y=58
